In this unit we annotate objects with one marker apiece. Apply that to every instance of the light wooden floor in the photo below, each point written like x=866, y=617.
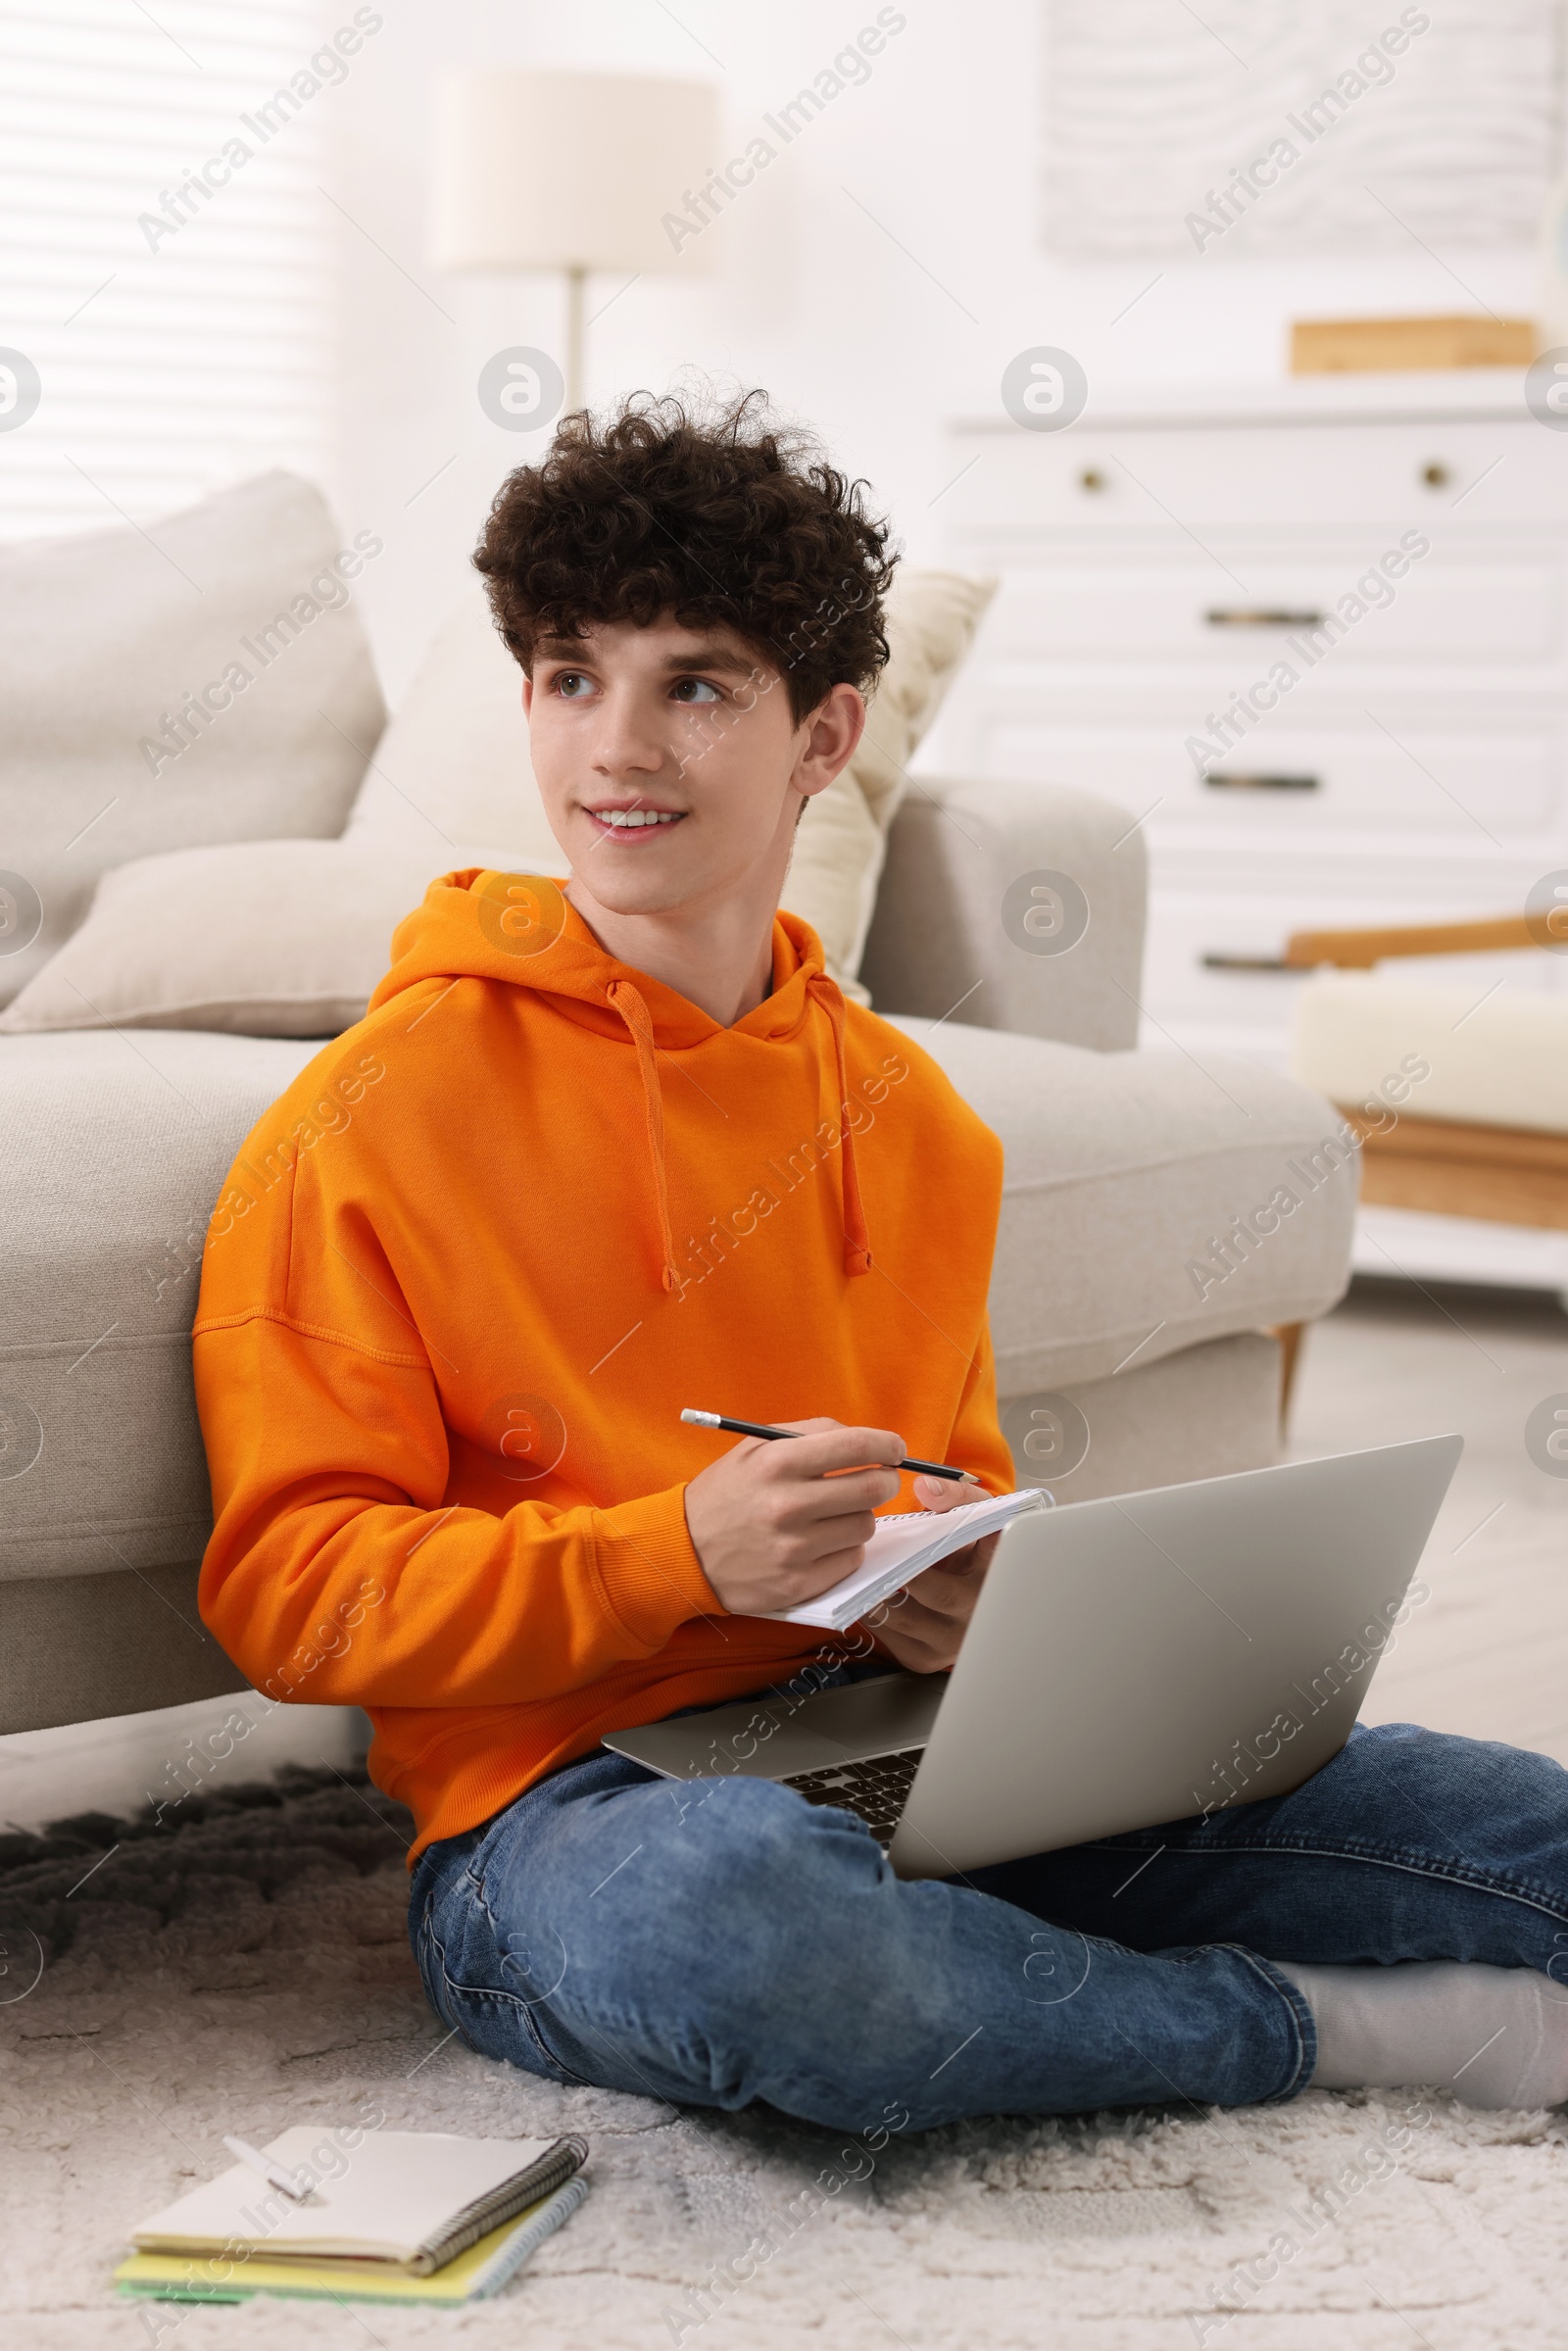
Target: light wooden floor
x=1488, y=1653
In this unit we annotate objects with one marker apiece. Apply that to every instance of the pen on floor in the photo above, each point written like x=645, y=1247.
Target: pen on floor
x=272, y=2173
x=757, y=1428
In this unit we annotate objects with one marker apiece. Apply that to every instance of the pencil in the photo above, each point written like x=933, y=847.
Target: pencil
x=754, y=1428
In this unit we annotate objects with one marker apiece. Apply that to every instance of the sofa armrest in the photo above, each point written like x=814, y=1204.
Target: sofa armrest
x=948, y=931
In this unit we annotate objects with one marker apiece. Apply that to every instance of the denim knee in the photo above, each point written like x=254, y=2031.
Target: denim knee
x=722, y=1897
x=698, y=1942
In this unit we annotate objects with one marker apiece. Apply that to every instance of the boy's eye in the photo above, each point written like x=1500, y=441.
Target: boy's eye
x=571, y=685
x=691, y=690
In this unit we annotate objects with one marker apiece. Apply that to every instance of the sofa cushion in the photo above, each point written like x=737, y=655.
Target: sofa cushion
x=1203, y=1414
x=133, y=1639
x=1123, y=1172
x=263, y=938
x=1486, y=1056
x=1145, y=1200
x=839, y=847
x=112, y=1152
x=454, y=765
x=125, y=1642
x=243, y=600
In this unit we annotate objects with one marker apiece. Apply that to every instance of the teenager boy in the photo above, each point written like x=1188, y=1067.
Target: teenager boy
x=607, y=1148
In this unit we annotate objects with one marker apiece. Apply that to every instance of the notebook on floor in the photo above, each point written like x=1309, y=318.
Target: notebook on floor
x=403, y=2206
x=473, y=2276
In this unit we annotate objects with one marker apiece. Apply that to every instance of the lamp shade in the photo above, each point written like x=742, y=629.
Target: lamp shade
x=535, y=170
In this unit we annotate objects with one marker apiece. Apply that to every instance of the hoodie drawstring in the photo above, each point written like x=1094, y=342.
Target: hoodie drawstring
x=857, y=1246
x=628, y=1001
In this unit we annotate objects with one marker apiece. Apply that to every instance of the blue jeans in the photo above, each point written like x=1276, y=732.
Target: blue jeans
x=721, y=1941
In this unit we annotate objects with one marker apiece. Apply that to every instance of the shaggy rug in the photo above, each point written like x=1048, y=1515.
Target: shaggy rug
x=249, y=1968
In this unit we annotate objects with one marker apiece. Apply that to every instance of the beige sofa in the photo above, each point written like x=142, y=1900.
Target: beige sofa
x=1135, y=1276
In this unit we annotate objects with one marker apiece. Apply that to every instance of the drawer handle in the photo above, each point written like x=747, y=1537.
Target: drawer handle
x=1218, y=781
x=1262, y=617
x=1246, y=963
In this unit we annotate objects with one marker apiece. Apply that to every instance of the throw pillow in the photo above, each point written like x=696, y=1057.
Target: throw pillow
x=837, y=864
x=203, y=680
x=260, y=938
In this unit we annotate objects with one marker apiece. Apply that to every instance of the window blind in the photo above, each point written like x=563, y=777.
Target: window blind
x=166, y=252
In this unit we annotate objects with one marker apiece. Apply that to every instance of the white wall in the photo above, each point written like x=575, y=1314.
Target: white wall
x=876, y=344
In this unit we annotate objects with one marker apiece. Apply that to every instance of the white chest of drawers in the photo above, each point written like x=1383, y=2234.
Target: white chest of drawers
x=1315, y=638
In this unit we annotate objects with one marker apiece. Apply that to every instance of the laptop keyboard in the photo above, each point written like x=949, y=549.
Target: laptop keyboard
x=877, y=1788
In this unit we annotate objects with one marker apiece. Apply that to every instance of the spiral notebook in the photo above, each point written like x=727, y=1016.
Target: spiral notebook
x=403, y=2202
x=488, y=2264
x=901, y=1546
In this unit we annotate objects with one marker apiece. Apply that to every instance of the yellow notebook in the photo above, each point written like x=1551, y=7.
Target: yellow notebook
x=483, y=2270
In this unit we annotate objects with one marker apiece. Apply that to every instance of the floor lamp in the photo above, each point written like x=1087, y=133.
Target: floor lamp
x=572, y=173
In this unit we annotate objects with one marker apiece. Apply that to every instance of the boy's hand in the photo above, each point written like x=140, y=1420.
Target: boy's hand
x=775, y=1524
x=923, y=1626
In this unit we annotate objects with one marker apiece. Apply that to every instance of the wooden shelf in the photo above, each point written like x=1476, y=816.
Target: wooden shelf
x=1503, y=1175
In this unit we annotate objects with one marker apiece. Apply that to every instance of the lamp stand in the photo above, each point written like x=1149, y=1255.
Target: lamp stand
x=576, y=288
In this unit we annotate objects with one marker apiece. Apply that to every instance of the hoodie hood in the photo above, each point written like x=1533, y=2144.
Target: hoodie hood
x=520, y=929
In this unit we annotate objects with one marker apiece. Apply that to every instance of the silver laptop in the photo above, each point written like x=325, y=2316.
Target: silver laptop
x=1133, y=1660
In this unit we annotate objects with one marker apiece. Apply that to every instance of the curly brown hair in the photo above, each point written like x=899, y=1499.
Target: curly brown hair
x=727, y=521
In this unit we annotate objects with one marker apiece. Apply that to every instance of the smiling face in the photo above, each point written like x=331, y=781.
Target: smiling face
x=671, y=768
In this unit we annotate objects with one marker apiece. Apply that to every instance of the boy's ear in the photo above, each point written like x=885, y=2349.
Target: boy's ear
x=833, y=732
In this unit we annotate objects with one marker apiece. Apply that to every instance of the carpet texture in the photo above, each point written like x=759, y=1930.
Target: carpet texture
x=248, y=1968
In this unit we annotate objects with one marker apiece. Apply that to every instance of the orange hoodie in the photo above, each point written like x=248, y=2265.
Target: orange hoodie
x=467, y=1272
